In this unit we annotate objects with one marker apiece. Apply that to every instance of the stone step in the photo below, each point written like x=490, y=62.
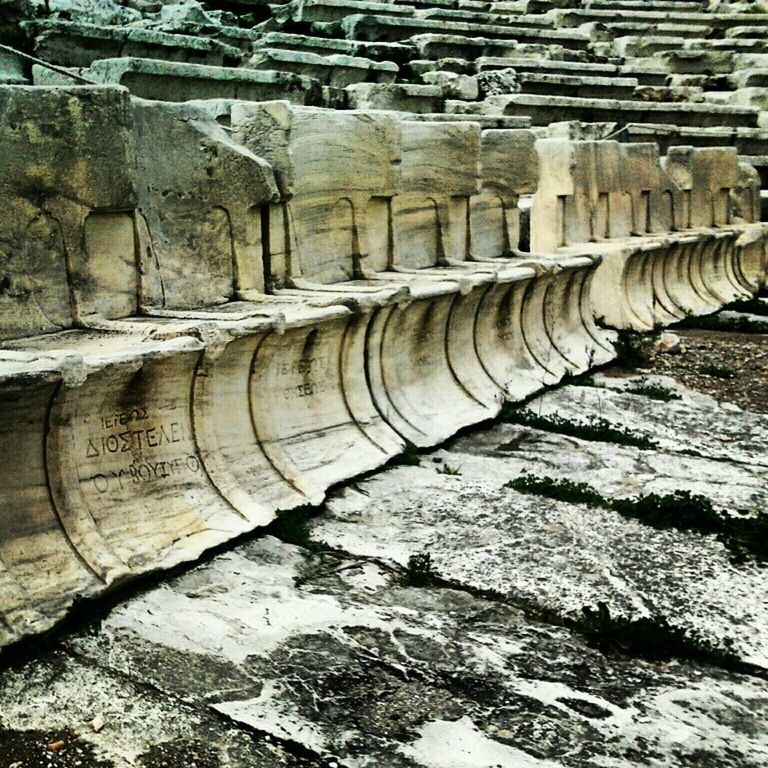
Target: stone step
x=577, y=85
x=645, y=74
x=485, y=121
x=546, y=109
x=385, y=28
x=335, y=10
x=545, y=66
x=73, y=44
x=434, y=46
x=337, y=69
x=722, y=21
x=484, y=17
x=748, y=141
x=176, y=81
x=639, y=5
x=396, y=52
x=658, y=30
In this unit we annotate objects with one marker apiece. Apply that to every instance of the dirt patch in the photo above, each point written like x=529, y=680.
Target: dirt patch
x=731, y=367
x=46, y=749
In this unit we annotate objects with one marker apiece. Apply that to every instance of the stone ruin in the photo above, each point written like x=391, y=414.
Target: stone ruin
x=250, y=251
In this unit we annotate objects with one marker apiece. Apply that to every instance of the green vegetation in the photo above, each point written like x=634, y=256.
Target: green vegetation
x=719, y=323
x=718, y=371
x=410, y=457
x=651, y=637
x=632, y=349
x=652, y=391
x=447, y=469
x=745, y=537
x=420, y=571
x=560, y=490
x=755, y=306
x=596, y=429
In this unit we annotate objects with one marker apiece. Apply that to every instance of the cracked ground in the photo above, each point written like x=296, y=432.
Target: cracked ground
x=432, y=615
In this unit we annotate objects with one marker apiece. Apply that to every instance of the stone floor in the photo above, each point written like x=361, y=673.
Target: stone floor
x=335, y=646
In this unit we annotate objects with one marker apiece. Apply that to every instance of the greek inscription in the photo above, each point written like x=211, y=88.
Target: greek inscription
x=134, y=440
x=112, y=420
x=145, y=472
x=306, y=389
x=302, y=367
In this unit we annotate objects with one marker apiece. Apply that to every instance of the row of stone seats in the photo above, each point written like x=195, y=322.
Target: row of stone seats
x=312, y=57
x=213, y=310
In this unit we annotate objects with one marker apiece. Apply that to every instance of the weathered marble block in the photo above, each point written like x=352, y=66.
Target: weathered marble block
x=293, y=368
x=68, y=191
x=676, y=235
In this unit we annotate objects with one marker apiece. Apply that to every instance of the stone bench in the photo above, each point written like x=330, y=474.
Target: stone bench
x=337, y=70
x=73, y=44
x=395, y=52
x=546, y=109
x=437, y=46
x=314, y=11
x=581, y=86
x=676, y=235
x=385, y=28
x=720, y=21
x=174, y=81
x=212, y=310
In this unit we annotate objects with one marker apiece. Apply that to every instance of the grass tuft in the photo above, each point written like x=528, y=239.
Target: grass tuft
x=650, y=637
x=596, y=429
x=718, y=372
x=420, y=571
x=410, y=457
x=632, y=349
x=746, y=538
x=652, y=391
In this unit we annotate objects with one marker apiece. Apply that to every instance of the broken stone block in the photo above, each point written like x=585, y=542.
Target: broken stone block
x=395, y=96
x=66, y=236
x=73, y=44
x=453, y=86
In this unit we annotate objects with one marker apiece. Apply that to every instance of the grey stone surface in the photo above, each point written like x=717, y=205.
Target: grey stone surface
x=273, y=655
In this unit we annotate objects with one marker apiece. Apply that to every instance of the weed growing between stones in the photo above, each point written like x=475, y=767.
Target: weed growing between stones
x=581, y=380
x=410, y=457
x=419, y=572
x=632, y=349
x=650, y=637
x=719, y=323
x=560, y=490
x=754, y=306
x=448, y=469
x=745, y=537
x=718, y=371
x=652, y=391
x=596, y=429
